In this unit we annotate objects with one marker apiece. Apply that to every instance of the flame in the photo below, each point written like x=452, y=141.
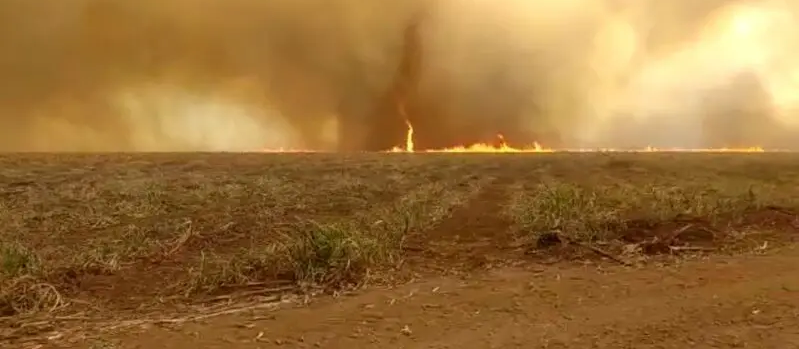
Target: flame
x=409, y=137
x=503, y=147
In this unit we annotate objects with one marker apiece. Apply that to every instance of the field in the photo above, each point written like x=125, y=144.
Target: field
x=556, y=250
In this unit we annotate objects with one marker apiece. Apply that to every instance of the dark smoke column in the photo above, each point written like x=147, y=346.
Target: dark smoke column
x=382, y=125
x=444, y=112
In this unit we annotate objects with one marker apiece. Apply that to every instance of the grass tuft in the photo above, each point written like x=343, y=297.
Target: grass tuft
x=17, y=260
x=21, y=288
x=334, y=253
x=602, y=212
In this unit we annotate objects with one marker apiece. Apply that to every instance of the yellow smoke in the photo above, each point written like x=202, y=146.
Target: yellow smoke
x=246, y=74
x=741, y=60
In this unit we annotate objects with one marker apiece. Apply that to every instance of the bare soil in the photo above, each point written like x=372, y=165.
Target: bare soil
x=721, y=302
x=495, y=251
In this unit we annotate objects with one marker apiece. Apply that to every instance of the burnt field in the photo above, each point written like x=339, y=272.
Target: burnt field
x=93, y=238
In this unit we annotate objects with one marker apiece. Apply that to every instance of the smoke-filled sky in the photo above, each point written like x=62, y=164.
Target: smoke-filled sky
x=166, y=75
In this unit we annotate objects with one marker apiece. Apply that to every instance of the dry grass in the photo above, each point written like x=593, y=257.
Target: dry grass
x=602, y=212
x=160, y=226
x=621, y=199
x=123, y=231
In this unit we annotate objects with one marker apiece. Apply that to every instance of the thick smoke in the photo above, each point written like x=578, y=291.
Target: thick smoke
x=162, y=75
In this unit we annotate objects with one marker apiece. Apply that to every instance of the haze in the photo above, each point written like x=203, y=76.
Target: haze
x=214, y=75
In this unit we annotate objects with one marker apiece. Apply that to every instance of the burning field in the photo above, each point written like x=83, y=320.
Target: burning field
x=416, y=174
x=97, y=244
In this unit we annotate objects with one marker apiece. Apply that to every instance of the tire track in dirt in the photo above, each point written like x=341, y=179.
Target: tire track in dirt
x=475, y=235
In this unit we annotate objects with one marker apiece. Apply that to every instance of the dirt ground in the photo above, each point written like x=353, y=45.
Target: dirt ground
x=400, y=250
x=742, y=302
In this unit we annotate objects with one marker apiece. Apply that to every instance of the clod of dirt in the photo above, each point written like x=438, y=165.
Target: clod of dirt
x=696, y=236
x=548, y=240
x=655, y=247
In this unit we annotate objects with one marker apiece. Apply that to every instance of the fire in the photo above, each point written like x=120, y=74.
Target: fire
x=503, y=147
x=409, y=137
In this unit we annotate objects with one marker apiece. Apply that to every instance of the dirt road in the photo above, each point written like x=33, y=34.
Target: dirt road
x=722, y=302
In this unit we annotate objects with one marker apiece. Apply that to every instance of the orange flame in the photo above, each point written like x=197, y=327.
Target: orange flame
x=409, y=137
x=503, y=147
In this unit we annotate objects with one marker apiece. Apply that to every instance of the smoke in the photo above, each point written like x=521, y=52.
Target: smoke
x=98, y=75
x=732, y=83
x=619, y=74
x=213, y=75
x=171, y=117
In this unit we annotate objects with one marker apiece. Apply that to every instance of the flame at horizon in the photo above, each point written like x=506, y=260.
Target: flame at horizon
x=503, y=147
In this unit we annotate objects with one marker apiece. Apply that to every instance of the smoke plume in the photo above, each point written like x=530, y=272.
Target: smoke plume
x=213, y=75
